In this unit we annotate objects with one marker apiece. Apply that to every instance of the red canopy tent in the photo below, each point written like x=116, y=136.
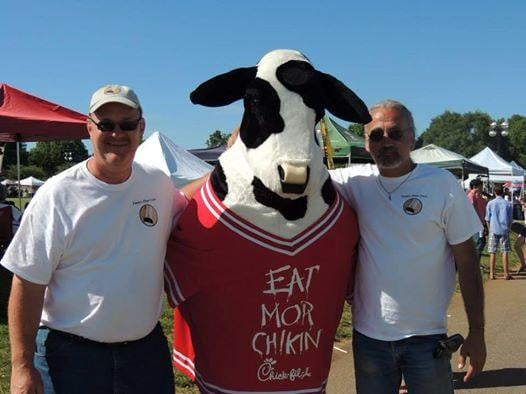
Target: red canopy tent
x=24, y=117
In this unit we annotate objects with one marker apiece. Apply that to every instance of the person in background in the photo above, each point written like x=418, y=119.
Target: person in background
x=87, y=260
x=499, y=219
x=506, y=194
x=15, y=212
x=521, y=239
x=416, y=225
x=518, y=246
x=476, y=197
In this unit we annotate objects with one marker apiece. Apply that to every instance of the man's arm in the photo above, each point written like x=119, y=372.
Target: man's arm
x=472, y=290
x=25, y=308
x=190, y=188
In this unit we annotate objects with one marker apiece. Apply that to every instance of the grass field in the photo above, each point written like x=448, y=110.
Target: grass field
x=17, y=202
x=184, y=385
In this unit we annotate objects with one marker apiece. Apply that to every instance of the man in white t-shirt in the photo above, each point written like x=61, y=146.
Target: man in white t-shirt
x=88, y=267
x=416, y=225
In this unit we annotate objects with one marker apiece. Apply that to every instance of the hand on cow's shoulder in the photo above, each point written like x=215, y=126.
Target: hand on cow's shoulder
x=233, y=137
x=190, y=188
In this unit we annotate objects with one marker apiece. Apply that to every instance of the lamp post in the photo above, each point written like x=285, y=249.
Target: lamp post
x=498, y=130
x=68, y=156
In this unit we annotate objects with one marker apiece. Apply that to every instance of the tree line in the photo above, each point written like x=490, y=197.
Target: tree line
x=44, y=160
x=468, y=133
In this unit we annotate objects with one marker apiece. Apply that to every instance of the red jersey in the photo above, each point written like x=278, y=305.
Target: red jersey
x=262, y=310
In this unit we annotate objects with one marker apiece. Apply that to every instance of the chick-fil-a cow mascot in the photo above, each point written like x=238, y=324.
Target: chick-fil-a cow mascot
x=262, y=259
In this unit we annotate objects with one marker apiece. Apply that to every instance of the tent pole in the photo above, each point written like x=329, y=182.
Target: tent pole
x=463, y=185
x=18, y=174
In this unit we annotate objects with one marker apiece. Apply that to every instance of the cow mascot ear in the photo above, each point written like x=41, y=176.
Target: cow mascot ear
x=322, y=91
x=223, y=89
x=341, y=101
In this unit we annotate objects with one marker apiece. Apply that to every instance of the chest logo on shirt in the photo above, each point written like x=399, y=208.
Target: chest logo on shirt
x=148, y=215
x=413, y=206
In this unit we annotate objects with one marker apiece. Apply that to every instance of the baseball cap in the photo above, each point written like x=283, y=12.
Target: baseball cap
x=114, y=94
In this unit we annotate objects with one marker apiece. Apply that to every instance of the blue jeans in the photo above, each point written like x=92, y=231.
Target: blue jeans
x=69, y=364
x=380, y=365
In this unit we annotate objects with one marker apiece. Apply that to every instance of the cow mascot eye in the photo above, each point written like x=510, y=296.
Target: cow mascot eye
x=266, y=243
x=251, y=100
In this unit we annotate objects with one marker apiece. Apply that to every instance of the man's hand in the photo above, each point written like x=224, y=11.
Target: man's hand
x=472, y=291
x=26, y=380
x=474, y=347
x=233, y=137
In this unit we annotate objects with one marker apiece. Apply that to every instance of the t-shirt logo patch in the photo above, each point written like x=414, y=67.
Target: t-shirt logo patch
x=148, y=215
x=413, y=206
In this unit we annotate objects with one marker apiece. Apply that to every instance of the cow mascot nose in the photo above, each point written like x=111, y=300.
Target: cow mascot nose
x=262, y=260
x=293, y=177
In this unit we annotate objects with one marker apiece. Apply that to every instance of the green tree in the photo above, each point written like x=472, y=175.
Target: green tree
x=25, y=171
x=466, y=134
x=217, y=138
x=418, y=142
x=479, y=125
x=517, y=138
x=9, y=150
x=356, y=128
x=51, y=155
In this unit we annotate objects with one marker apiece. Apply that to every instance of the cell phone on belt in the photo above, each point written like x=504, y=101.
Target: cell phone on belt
x=448, y=346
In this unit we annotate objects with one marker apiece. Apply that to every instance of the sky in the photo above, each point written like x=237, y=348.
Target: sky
x=432, y=55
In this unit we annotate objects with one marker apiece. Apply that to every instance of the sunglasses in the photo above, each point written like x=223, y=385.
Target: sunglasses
x=377, y=135
x=109, y=125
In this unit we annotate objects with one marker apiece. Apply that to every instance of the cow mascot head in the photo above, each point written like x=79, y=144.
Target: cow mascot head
x=262, y=259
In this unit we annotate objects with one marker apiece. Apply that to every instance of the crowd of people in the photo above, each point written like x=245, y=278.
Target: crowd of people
x=496, y=214
x=87, y=260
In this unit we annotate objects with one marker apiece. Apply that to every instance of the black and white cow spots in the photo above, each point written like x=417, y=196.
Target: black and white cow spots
x=261, y=117
x=273, y=175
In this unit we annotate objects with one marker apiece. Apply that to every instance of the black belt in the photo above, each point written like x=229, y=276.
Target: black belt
x=79, y=339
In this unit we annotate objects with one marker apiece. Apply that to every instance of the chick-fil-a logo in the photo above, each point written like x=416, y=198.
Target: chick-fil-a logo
x=267, y=372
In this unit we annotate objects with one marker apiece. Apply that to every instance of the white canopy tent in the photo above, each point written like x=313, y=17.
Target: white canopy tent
x=499, y=169
x=161, y=152
x=443, y=158
x=514, y=164
x=31, y=181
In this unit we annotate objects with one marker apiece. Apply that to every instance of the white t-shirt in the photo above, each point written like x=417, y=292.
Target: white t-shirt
x=100, y=250
x=405, y=274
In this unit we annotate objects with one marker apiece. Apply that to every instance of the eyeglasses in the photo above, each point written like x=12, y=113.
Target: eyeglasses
x=376, y=135
x=106, y=125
